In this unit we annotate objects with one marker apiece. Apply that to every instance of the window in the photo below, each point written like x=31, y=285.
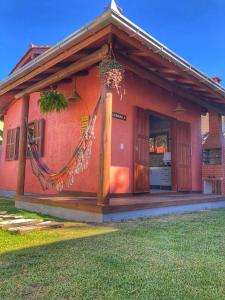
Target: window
x=158, y=144
x=12, y=144
x=152, y=145
x=223, y=124
x=212, y=156
x=36, y=132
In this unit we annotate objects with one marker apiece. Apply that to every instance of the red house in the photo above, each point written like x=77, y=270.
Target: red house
x=147, y=138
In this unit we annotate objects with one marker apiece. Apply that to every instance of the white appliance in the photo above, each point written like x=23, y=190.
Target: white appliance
x=167, y=158
x=160, y=176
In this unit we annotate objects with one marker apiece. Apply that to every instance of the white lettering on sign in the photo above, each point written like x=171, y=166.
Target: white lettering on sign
x=119, y=116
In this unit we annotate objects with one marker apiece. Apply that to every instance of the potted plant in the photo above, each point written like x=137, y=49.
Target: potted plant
x=52, y=100
x=111, y=73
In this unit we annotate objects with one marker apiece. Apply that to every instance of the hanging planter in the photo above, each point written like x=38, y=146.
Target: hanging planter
x=52, y=101
x=111, y=73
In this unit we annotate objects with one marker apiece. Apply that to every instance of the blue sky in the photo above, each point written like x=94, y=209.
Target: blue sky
x=194, y=29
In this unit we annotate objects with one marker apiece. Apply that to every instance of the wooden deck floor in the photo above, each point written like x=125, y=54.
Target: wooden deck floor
x=89, y=204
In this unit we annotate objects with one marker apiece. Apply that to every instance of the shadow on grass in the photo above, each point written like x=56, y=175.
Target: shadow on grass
x=180, y=257
x=53, y=267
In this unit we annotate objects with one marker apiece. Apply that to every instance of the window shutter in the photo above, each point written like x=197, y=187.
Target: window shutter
x=12, y=144
x=8, y=140
x=41, y=127
x=17, y=143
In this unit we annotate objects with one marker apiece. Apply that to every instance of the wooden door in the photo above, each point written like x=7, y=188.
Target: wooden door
x=181, y=156
x=141, y=150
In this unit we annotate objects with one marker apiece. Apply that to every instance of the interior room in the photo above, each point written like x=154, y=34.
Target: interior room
x=160, y=154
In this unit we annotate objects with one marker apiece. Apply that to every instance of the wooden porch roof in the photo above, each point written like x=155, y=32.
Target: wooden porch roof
x=138, y=51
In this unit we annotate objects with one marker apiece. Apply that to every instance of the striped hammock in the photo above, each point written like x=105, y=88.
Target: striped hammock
x=77, y=163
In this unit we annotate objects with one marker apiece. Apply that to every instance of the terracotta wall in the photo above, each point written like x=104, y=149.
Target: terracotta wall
x=141, y=93
x=8, y=169
x=62, y=133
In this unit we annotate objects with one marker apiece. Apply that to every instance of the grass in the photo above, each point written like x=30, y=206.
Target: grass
x=172, y=257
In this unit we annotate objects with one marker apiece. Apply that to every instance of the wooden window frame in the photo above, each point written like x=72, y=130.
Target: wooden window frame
x=12, y=144
x=39, y=131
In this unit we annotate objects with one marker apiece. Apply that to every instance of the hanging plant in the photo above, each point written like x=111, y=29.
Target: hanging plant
x=111, y=73
x=51, y=101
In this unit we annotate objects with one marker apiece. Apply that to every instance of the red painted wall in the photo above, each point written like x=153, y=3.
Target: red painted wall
x=143, y=94
x=62, y=133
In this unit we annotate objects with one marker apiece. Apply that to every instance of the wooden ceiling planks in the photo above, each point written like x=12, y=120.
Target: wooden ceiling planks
x=153, y=57
x=152, y=77
x=79, y=65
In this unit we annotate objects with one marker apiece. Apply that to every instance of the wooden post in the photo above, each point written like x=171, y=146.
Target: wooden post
x=22, y=146
x=105, y=148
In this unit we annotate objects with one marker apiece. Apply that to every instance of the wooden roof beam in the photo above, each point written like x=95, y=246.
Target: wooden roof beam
x=63, y=55
x=169, y=71
x=145, y=74
x=80, y=65
x=136, y=52
x=148, y=65
x=130, y=42
x=186, y=81
x=172, y=76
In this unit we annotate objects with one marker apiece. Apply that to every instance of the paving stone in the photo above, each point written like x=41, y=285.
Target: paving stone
x=20, y=222
x=37, y=227
x=11, y=216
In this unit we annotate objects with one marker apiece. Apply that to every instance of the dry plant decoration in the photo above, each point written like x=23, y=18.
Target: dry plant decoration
x=112, y=74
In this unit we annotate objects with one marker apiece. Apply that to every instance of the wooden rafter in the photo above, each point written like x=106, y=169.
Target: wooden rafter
x=63, y=55
x=70, y=70
x=152, y=56
x=184, y=83
x=150, y=76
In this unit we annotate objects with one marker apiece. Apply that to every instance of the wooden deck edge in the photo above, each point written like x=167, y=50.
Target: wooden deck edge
x=86, y=207
x=132, y=207
x=61, y=212
x=53, y=203
x=93, y=217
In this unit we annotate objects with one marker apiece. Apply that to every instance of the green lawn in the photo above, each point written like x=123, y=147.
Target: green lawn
x=172, y=257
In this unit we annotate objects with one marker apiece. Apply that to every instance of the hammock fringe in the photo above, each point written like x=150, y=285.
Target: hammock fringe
x=77, y=163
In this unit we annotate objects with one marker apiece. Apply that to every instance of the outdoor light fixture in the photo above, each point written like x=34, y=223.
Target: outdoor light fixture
x=179, y=109
x=75, y=97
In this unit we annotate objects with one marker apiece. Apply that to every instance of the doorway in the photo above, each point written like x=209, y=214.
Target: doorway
x=160, y=159
x=162, y=153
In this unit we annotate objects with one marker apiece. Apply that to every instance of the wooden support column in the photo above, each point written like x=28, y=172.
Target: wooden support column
x=22, y=146
x=105, y=148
